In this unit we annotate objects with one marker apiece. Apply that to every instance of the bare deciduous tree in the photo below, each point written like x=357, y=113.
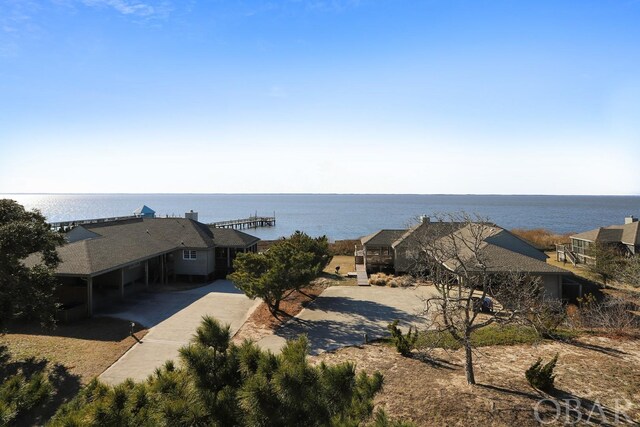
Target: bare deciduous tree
x=473, y=288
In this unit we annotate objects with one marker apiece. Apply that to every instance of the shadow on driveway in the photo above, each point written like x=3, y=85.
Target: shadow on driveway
x=151, y=308
x=334, y=321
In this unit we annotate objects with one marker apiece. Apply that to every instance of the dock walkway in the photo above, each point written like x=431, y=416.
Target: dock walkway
x=251, y=222
x=363, y=278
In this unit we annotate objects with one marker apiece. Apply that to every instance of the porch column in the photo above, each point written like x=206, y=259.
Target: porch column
x=162, y=269
x=228, y=258
x=90, y=296
x=146, y=274
x=122, y=283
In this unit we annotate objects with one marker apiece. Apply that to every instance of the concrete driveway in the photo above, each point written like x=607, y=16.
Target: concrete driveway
x=172, y=318
x=341, y=315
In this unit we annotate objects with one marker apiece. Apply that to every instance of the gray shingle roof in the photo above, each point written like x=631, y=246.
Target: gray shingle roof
x=127, y=241
x=382, y=237
x=229, y=238
x=627, y=233
x=499, y=250
x=631, y=233
x=427, y=231
x=498, y=259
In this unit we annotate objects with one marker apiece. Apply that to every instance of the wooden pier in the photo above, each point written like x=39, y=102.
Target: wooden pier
x=251, y=222
x=70, y=224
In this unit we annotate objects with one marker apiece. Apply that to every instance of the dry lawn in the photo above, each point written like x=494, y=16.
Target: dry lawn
x=592, y=369
x=578, y=271
x=86, y=347
x=73, y=354
x=347, y=265
x=345, y=262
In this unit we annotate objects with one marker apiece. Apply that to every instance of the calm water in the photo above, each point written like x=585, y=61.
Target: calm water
x=345, y=216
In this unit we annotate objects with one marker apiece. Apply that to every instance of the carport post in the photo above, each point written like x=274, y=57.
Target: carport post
x=90, y=296
x=146, y=274
x=162, y=268
x=122, y=283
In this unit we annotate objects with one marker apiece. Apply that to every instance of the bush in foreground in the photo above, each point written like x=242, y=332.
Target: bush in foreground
x=20, y=393
x=541, y=376
x=225, y=384
x=404, y=343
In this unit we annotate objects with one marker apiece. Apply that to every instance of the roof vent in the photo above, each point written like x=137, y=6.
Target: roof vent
x=424, y=219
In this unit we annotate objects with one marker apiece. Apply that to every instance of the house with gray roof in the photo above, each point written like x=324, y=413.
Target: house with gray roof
x=625, y=238
x=104, y=262
x=398, y=251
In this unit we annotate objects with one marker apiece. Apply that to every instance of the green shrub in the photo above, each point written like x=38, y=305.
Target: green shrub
x=541, y=376
x=19, y=394
x=404, y=343
x=221, y=383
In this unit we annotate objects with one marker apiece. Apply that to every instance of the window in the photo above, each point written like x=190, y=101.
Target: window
x=187, y=254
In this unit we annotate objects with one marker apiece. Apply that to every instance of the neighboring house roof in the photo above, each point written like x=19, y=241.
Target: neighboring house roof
x=107, y=246
x=628, y=234
x=230, y=238
x=427, y=230
x=590, y=235
x=144, y=210
x=498, y=259
x=631, y=233
x=498, y=249
x=382, y=237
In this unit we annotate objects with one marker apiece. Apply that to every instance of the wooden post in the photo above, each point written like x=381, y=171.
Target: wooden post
x=146, y=274
x=90, y=296
x=228, y=258
x=162, y=268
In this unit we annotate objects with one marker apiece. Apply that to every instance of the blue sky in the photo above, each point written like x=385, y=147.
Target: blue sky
x=346, y=96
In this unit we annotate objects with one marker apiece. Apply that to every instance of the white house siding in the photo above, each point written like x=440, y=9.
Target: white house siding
x=201, y=266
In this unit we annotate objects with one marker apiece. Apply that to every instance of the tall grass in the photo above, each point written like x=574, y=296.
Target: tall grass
x=541, y=238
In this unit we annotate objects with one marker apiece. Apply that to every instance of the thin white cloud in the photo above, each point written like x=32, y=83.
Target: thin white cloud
x=277, y=92
x=132, y=7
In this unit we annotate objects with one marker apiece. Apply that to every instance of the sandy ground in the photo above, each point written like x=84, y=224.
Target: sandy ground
x=601, y=373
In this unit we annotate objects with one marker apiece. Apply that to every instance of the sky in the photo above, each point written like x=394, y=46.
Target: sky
x=320, y=96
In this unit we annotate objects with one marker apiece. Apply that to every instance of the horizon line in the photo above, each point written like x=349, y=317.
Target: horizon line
x=320, y=194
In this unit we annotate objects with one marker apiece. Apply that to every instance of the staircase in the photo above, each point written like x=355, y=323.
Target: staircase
x=567, y=253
